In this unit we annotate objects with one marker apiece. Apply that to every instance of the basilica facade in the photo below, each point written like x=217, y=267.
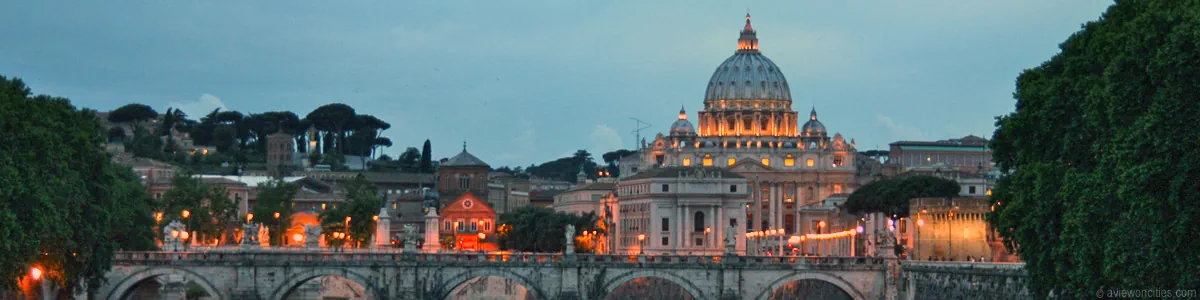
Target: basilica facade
x=747, y=126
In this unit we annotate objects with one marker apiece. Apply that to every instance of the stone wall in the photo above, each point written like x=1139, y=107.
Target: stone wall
x=960, y=280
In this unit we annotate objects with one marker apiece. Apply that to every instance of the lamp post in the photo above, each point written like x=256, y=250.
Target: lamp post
x=185, y=214
x=820, y=229
x=454, y=241
x=916, y=243
x=278, y=229
x=707, y=239
x=950, y=234
x=641, y=244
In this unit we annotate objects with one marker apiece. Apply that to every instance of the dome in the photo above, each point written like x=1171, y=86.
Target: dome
x=682, y=127
x=813, y=126
x=747, y=75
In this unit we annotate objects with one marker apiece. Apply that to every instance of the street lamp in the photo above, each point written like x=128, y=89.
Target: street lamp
x=185, y=214
x=35, y=273
x=249, y=216
x=641, y=244
x=707, y=240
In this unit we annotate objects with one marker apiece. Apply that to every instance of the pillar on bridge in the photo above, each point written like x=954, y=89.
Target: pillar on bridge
x=383, y=229
x=432, y=241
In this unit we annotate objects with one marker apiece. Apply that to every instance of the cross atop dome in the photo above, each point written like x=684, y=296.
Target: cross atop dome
x=749, y=40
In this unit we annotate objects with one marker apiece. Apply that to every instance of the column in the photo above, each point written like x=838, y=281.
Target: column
x=719, y=228
x=756, y=205
x=770, y=205
x=796, y=225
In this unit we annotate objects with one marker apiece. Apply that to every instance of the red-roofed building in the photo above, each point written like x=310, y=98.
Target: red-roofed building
x=471, y=222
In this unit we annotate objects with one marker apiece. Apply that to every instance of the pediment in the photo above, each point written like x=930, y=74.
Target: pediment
x=467, y=203
x=749, y=165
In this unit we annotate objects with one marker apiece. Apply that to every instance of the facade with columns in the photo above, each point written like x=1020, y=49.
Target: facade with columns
x=747, y=126
x=680, y=211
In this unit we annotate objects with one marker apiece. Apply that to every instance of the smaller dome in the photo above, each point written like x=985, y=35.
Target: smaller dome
x=813, y=126
x=682, y=127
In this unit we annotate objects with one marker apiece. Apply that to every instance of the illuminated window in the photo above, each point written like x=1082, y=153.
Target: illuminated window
x=707, y=160
x=732, y=161
x=766, y=161
x=837, y=161
x=789, y=161
x=687, y=162
x=810, y=162
x=837, y=189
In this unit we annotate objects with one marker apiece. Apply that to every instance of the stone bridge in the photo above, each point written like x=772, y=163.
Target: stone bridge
x=272, y=274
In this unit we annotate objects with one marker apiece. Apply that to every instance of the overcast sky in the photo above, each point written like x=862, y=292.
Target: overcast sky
x=528, y=81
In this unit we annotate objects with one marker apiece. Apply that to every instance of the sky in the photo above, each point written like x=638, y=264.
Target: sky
x=523, y=82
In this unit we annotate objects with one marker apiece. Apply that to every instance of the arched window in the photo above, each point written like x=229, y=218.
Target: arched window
x=789, y=161
x=708, y=160
x=732, y=161
x=698, y=224
x=811, y=196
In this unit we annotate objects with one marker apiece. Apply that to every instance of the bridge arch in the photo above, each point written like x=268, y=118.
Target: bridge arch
x=616, y=281
x=818, y=276
x=448, y=285
x=124, y=286
x=294, y=280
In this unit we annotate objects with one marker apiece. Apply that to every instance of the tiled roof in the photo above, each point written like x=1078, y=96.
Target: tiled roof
x=464, y=159
x=595, y=186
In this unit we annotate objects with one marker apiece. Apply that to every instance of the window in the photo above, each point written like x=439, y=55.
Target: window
x=810, y=162
x=687, y=162
x=837, y=189
x=698, y=224
x=474, y=225
x=393, y=205
x=732, y=161
x=667, y=188
x=764, y=124
x=811, y=196
x=730, y=125
x=699, y=242
x=464, y=183
x=733, y=222
x=664, y=241
x=766, y=161
x=789, y=161
x=707, y=160
x=448, y=228
x=666, y=224
x=971, y=190
x=733, y=188
x=837, y=161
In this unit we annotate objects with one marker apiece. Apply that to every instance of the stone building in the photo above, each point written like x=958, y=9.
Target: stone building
x=747, y=126
x=680, y=210
x=461, y=174
x=968, y=154
x=952, y=229
x=281, y=153
x=507, y=193
x=585, y=197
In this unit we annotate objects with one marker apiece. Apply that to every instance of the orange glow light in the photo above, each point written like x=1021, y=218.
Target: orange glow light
x=186, y=213
x=297, y=237
x=35, y=272
x=249, y=216
x=276, y=215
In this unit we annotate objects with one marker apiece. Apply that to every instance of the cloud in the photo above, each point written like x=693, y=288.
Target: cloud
x=196, y=109
x=603, y=139
x=898, y=131
x=523, y=144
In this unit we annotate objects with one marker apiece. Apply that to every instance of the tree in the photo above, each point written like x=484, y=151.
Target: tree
x=134, y=113
x=565, y=168
x=361, y=207
x=332, y=119
x=540, y=229
x=1101, y=182
x=61, y=201
x=613, y=160
x=426, y=158
x=408, y=160
x=275, y=197
x=891, y=196
x=211, y=213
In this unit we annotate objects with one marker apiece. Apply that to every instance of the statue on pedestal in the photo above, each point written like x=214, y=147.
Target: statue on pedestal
x=410, y=238
x=312, y=236
x=250, y=236
x=730, y=240
x=171, y=239
x=570, y=235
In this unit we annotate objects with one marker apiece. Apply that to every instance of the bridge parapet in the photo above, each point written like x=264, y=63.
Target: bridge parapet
x=964, y=280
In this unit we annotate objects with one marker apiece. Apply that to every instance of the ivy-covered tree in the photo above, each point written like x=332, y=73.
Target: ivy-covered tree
x=1102, y=184
x=63, y=206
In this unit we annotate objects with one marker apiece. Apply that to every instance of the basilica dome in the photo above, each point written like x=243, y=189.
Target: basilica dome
x=813, y=127
x=747, y=75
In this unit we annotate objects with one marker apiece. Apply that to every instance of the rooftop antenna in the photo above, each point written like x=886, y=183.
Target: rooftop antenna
x=638, y=132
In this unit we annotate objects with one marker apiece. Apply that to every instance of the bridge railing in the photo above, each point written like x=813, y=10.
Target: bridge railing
x=296, y=256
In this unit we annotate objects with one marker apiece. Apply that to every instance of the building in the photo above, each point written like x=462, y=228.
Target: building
x=953, y=229
x=471, y=222
x=507, y=193
x=969, y=154
x=461, y=174
x=585, y=198
x=543, y=198
x=680, y=211
x=747, y=126
x=281, y=153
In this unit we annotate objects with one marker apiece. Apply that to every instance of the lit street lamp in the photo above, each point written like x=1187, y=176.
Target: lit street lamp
x=641, y=244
